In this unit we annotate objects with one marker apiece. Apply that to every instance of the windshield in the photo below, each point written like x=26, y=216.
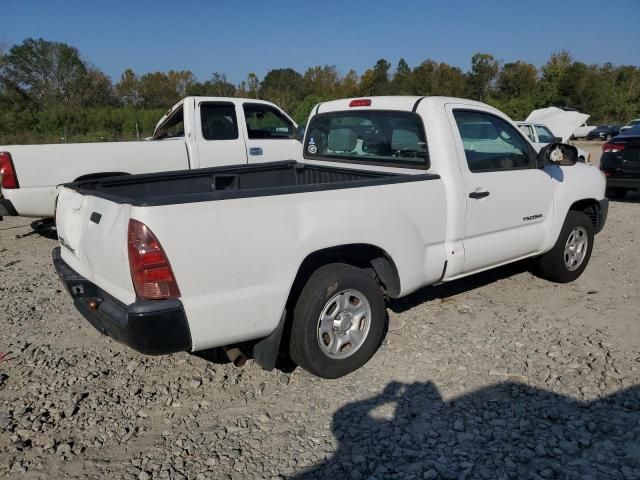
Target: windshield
x=375, y=137
x=172, y=127
x=544, y=134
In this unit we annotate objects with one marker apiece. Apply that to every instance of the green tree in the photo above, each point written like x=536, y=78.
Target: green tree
x=348, y=85
x=433, y=78
x=283, y=86
x=517, y=79
x=48, y=73
x=322, y=81
x=375, y=81
x=484, y=69
x=554, y=74
x=128, y=88
x=402, y=83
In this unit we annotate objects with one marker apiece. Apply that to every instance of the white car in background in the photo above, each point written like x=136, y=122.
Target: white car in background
x=540, y=135
x=583, y=130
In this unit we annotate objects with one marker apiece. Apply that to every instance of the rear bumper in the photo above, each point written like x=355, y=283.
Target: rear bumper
x=153, y=327
x=613, y=182
x=6, y=208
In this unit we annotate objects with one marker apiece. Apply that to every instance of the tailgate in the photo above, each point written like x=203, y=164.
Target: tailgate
x=93, y=235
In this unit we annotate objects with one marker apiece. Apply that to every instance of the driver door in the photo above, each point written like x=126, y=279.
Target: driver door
x=508, y=199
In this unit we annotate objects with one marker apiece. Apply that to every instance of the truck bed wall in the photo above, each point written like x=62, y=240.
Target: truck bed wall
x=235, y=261
x=227, y=182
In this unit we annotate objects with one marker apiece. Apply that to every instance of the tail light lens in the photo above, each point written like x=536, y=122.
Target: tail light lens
x=151, y=272
x=613, y=147
x=7, y=173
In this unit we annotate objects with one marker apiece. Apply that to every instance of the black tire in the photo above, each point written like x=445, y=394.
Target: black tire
x=552, y=266
x=608, y=137
x=323, y=285
x=615, y=192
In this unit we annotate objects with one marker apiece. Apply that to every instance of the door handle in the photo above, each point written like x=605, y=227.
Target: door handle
x=477, y=195
x=255, y=151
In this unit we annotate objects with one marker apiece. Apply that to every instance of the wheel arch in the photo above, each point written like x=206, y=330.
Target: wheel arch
x=369, y=257
x=590, y=207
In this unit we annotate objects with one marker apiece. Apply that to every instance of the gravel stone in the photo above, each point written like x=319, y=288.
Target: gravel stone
x=501, y=375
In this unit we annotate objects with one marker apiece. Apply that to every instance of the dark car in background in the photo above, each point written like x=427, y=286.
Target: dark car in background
x=603, y=132
x=620, y=163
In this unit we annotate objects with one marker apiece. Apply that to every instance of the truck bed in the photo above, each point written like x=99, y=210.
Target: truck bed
x=221, y=183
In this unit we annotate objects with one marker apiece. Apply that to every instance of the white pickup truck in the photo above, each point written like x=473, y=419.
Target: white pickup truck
x=394, y=193
x=197, y=132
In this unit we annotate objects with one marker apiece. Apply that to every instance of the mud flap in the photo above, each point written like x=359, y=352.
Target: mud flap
x=265, y=352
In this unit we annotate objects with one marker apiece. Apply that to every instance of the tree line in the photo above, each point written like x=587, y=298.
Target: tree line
x=49, y=93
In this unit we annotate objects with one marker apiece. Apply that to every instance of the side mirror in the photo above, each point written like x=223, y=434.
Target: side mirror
x=299, y=133
x=557, y=140
x=558, y=154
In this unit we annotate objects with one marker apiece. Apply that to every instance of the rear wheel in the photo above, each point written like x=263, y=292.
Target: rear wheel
x=338, y=321
x=570, y=255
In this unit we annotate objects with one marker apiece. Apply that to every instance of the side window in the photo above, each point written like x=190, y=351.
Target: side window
x=172, y=127
x=492, y=144
x=219, y=121
x=528, y=131
x=266, y=122
x=544, y=135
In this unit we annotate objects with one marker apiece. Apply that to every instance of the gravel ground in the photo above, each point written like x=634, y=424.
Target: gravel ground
x=501, y=375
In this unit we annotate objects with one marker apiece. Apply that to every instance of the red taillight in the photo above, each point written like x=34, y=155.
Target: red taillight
x=613, y=147
x=150, y=269
x=7, y=173
x=362, y=102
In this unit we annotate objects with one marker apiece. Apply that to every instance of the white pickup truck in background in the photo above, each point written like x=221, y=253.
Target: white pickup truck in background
x=394, y=193
x=197, y=132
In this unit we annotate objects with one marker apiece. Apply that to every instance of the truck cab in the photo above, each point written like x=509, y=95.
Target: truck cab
x=197, y=132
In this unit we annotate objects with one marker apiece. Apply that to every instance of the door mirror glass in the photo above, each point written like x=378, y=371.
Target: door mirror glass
x=557, y=154
x=557, y=139
x=299, y=134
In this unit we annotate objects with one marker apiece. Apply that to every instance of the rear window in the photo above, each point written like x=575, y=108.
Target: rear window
x=371, y=137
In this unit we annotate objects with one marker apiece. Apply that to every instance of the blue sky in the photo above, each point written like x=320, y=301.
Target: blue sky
x=236, y=37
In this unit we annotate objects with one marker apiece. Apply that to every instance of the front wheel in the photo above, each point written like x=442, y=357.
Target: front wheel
x=338, y=321
x=570, y=255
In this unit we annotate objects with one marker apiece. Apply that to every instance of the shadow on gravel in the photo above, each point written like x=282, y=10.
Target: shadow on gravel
x=509, y=430
x=44, y=227
x=457, y=287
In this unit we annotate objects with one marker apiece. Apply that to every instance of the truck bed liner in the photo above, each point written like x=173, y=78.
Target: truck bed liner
x=242, y=181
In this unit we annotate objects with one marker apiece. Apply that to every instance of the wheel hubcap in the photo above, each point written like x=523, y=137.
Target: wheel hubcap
x=576, y=248
x=344, y=324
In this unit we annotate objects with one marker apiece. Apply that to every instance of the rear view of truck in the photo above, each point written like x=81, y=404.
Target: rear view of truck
x=206, y=258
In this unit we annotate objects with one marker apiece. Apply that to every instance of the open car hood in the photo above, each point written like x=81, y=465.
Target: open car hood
x=562, y=123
